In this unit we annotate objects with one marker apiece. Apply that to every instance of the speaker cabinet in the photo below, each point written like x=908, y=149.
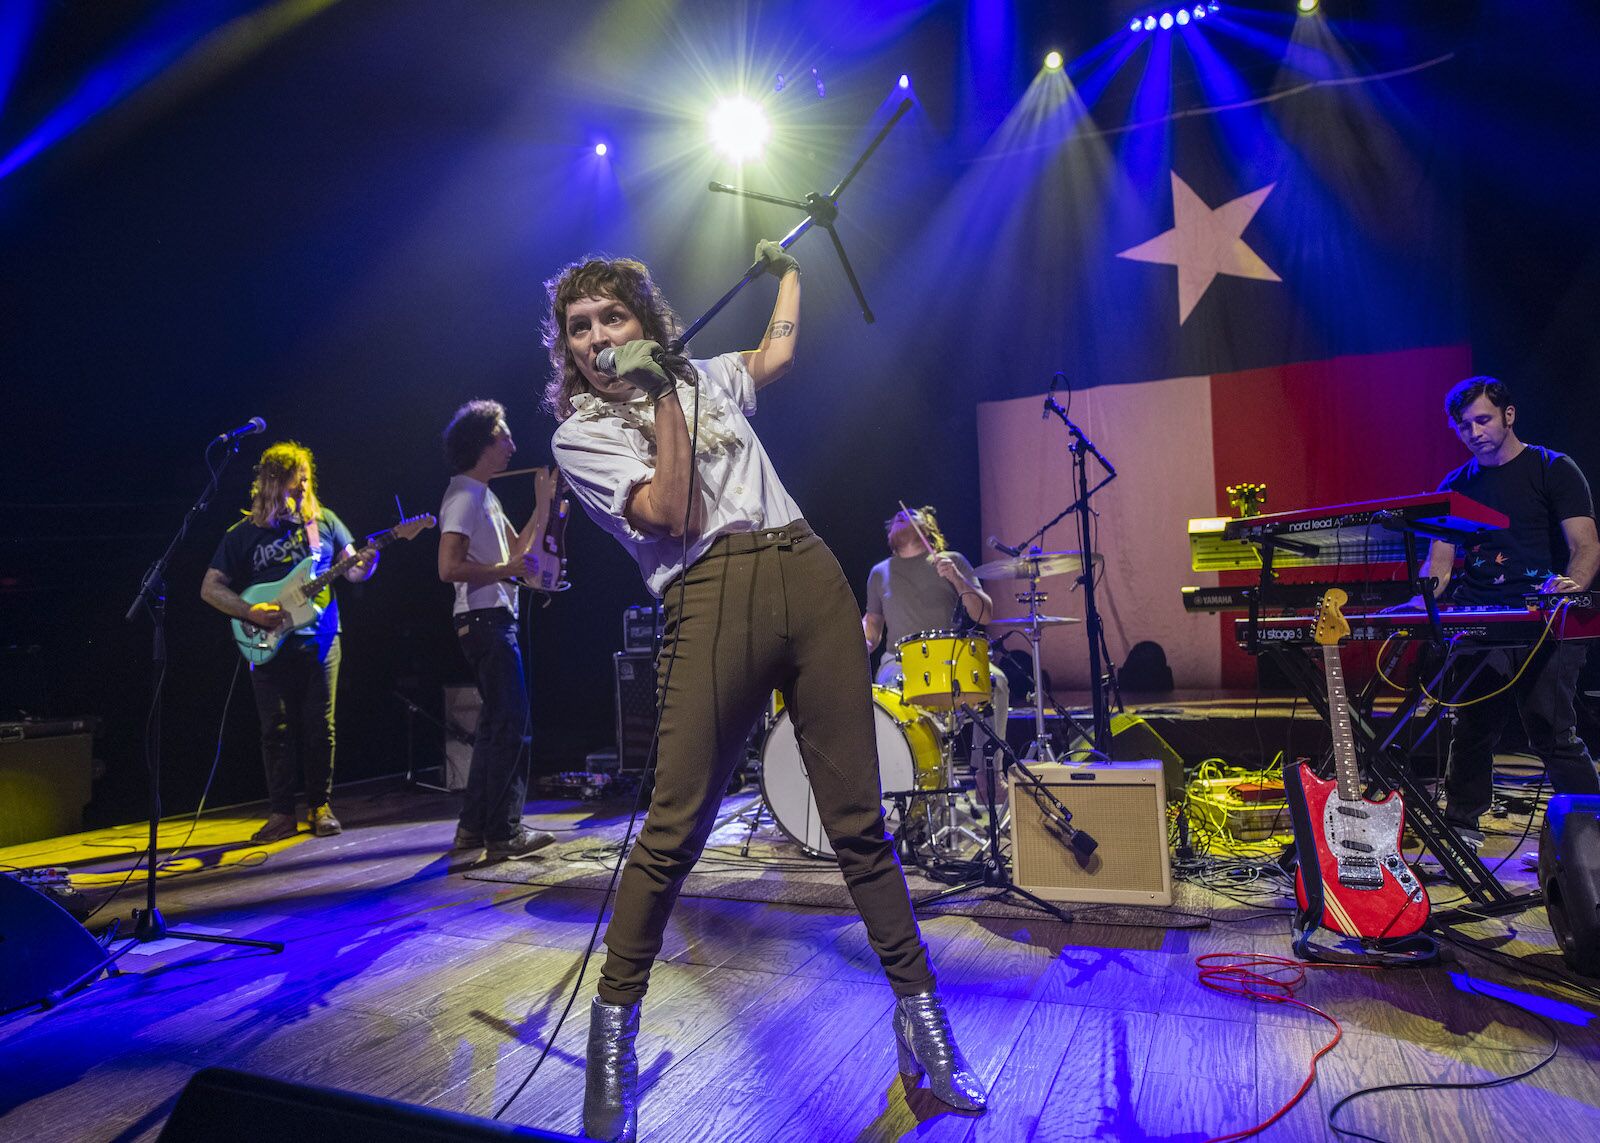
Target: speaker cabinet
x=462, y=706
x=1569, y=875
x=1135, y=740
x=45, y=782
x=220, y=1103
x=636, y=708
x=1122, y=805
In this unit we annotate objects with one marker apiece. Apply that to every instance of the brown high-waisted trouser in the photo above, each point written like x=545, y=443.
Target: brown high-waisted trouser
x=762, y=611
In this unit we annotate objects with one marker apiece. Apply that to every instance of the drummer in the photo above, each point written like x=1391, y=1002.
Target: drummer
x=923, y=586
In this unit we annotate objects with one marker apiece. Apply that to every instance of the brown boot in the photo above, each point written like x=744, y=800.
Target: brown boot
x=323, y=823
x=277, y=827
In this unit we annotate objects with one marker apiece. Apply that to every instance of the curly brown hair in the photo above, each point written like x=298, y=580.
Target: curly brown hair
x=624, y=279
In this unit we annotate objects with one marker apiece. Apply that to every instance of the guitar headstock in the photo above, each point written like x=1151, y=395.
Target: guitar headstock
x=1332, y=626
x=411, y=525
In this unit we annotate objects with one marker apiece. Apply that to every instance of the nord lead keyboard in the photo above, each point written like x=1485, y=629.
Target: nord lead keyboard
x=1491, y=625
x=1366, y=532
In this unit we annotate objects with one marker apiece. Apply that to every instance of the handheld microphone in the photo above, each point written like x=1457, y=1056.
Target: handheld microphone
x=1006, y=548
x=253, y=425
x=606, y=359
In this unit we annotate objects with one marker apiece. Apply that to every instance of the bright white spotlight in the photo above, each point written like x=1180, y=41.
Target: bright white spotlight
x=1166, y=21
x=600, y=148
x=1149, y=23
x=1052, y=61
x=1306, y=6
x=739, y=128
x=1199, y=12
x=905, y=82
x=1183, y=16
x=1136, y=24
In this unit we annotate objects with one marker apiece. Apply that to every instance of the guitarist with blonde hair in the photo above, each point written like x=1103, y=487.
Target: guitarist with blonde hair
x=294, y=688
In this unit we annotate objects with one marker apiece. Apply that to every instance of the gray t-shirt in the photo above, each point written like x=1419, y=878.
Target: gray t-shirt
x=912, y=597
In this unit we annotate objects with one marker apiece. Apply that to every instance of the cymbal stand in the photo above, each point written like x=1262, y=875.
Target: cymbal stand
x=1040, y=749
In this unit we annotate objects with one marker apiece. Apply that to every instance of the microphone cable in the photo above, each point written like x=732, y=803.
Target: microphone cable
x=645, y=781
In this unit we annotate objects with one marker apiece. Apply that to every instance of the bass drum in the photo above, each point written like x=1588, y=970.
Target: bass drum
x=908, y=759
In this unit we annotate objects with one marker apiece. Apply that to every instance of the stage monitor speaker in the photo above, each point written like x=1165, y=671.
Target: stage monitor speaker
x=636, y=708
x=42, y=947
x=1569, y=875
x=462, y=706
x=1133, y=739
x=1122, y=805
x=220, y=1103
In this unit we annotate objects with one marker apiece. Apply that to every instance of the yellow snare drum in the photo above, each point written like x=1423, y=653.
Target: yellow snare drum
x=943, y=670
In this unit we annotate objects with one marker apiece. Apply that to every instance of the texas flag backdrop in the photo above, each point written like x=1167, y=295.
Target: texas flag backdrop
x=1268, y=291
x=1316, y=433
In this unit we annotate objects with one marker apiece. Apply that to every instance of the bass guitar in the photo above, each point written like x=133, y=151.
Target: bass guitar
x=296, y=593
x=1350, y=876
x=549, y=550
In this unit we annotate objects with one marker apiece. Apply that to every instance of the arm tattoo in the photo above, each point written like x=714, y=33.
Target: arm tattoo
x=780, y=329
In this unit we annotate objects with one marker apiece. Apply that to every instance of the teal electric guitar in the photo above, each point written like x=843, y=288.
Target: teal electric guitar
x=296, y=593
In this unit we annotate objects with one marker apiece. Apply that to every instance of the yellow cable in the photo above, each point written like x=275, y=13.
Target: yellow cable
x=1511, y=682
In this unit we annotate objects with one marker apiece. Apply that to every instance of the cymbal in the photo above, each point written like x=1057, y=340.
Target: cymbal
x=1027, y=621
x=1028, y=567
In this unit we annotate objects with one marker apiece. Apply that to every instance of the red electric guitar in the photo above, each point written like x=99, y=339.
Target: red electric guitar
x=1350, y=876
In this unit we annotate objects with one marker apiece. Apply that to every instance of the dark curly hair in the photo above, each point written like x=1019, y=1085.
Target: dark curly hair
x=471, y=431
x=624, y=279
x=1463, y=393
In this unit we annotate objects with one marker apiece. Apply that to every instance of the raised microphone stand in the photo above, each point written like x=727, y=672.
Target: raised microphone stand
x=821, y=210
x=149, y=925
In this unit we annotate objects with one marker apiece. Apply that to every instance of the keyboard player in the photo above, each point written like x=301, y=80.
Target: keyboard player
x=1551, y=546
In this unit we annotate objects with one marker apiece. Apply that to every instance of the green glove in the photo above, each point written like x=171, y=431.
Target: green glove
x=779, y=261
x=636, y=364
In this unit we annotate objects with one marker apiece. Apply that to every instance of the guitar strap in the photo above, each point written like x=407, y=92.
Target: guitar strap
x=1392, y=952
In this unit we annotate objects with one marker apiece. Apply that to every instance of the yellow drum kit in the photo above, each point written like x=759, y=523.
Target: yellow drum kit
x=945, y=682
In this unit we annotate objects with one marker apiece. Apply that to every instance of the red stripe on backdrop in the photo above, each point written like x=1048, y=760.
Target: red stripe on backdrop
x=1329, y=432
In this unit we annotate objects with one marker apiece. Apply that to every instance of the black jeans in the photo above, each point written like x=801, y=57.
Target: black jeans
x=295, y=692
x=497, y=781
x=1543, y=698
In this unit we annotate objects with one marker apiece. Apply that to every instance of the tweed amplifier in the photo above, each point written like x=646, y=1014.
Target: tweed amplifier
x=1122, y=805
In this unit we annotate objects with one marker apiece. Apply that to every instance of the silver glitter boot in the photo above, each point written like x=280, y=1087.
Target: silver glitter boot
x=927, y=1045
x=611, y=1074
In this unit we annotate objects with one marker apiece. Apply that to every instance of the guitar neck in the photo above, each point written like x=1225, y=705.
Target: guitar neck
x=374, y=543
x=1347, y=773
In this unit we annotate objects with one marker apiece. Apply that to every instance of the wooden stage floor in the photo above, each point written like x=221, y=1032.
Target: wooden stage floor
x=402, y=977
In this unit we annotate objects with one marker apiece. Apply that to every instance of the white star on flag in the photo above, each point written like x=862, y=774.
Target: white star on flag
x=1204, y=243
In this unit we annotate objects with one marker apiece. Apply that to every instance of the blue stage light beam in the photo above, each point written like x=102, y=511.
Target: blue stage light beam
x=168, y=59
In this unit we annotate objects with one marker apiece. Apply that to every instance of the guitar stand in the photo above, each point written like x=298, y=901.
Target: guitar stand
x=1387, y=766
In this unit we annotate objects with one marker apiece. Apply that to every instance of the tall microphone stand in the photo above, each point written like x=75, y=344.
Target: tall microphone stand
x=1102, y=675
x=821, y=210
x=149, y=925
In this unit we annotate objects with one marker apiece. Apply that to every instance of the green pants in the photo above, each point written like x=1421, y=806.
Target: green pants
x=762, y=611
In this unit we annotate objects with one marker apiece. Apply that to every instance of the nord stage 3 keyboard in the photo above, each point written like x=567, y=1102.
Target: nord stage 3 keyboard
x=1571, y=615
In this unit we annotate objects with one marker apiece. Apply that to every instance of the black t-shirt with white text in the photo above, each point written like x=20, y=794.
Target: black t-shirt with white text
x=1536, y=489
x=249, y=555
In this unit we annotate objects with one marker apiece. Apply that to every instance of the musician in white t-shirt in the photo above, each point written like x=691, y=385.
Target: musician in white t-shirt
x=479, y=553
x=755, y=601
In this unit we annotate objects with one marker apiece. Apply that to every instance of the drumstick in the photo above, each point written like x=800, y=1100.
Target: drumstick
x=518, y=471
x=921, y=535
